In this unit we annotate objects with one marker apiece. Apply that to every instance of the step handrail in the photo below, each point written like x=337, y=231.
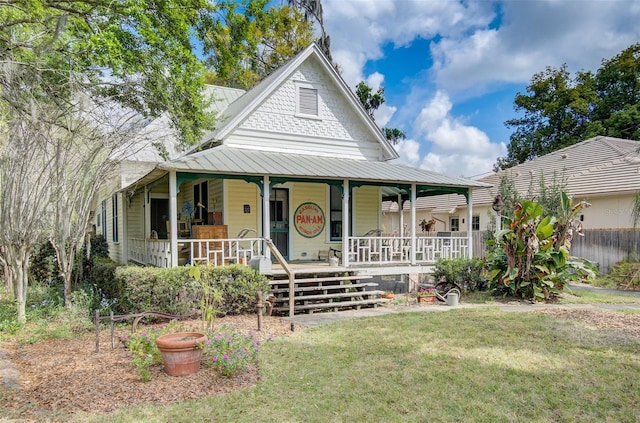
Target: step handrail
x=289, y=271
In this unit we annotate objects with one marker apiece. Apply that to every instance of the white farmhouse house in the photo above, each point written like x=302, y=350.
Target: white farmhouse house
x=294, y=169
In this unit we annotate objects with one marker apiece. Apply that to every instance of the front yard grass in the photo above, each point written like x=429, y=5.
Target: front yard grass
x=584, y=296
x=473, y=365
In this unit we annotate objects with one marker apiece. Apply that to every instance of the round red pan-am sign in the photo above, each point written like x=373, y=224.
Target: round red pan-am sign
x=309, y=220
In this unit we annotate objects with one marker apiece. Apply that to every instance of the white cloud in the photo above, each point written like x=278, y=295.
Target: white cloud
x=476, y=47
x=375, y=80
x=532, y=36
x=456, y=149
x=409, y=152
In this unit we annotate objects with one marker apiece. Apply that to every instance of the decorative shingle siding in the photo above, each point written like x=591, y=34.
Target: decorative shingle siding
x=337, y=131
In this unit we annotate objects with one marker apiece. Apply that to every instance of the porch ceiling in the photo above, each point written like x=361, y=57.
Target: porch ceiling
x=237, y=161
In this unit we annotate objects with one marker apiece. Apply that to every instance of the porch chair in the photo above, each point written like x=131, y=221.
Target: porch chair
x=238, y=251
x=364, y=247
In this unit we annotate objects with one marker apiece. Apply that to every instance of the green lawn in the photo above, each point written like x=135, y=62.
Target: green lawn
x=480, y=365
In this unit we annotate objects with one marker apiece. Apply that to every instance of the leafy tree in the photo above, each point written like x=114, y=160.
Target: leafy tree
x=371, y=101
x=394, y=135
x=313, y=13
x=61, y=65
x=617, y=84
x=560, y=110
x=246, y=41
x=556, y=113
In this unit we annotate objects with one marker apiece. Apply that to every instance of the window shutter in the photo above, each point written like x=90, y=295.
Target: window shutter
x=308, y=101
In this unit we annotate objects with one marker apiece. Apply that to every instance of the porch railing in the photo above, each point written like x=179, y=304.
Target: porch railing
x=216, y=252
x=381, y=250
x=397, y=249
x=154, y=252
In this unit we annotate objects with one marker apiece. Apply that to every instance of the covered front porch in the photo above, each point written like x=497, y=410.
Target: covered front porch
x=385, y=251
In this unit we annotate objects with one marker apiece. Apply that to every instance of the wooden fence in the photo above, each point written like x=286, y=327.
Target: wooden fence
x=602, y=246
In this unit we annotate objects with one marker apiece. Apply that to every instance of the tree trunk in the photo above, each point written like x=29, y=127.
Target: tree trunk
x=17, y=258
x=65, y=263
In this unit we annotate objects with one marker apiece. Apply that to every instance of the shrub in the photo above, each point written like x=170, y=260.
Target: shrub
x=229, y=352
x=44, y=265
x=530, y=258
x=107, y=290
x=469, y=274
x=175, y=291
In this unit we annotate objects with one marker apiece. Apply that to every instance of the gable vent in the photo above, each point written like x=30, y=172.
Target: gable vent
x=308, y=101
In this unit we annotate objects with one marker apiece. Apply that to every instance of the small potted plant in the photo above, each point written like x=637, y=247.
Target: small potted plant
x=426, y=296
x=389, y=295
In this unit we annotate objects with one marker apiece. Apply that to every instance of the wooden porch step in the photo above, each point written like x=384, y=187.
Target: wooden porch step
x=331, y=296
x=324, y=287
x=336, y=305
x=323, y=279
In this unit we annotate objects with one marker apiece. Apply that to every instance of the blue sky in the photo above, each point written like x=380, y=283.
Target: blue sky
x=451, y=69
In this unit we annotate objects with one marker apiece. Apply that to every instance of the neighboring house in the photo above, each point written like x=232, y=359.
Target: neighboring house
x=295, y=160
x=604, y=171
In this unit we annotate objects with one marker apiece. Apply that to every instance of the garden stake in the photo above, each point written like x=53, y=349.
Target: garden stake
x=97, y=320
x=259, y=309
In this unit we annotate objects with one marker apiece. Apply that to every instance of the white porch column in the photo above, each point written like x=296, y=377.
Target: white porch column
x=469, y=222
x=173, y=216
x=125, y=226
x=266, y=217
x=345, y=223
x=401, y=213
x=413, y=223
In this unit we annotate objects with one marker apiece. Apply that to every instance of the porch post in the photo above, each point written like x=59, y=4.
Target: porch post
x=125, y=225
x=345, y=222
x=266, y=218
x=469, y=226
x=413, y=223
x=401, y=212
x=173, y=216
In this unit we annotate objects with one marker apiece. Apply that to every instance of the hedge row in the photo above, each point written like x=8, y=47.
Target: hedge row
x=173, y=291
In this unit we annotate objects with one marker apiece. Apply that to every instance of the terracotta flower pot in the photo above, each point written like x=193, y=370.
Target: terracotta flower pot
x=427, y=299
x=181, y=352
x=387, y=295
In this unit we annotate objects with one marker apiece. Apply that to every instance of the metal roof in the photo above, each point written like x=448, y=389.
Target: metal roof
x=238, y=161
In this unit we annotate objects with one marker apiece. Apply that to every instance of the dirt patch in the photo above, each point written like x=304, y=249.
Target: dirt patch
x=68, y=376
x=628, y=323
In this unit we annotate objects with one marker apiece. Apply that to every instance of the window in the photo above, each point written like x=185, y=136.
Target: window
x=201, y=196
x=114, y=217
x=104, y=219
x=454, y=223
x=308, y=101
x=475, y=223
x=335, y=213
x=335, y=216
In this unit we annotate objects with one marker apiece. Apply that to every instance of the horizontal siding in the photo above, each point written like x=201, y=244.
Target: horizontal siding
x=366, y=203
x=240, y=194
x=135, y=217
x=319, y=146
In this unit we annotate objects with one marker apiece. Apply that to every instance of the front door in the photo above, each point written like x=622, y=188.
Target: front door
x=279, y=213
x=160, y=216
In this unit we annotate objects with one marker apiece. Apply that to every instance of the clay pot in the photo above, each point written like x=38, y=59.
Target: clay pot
x=387, y=295
x=427, y=299
x=180, y=355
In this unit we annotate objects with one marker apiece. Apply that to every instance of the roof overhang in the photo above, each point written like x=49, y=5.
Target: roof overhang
x=395, y=179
